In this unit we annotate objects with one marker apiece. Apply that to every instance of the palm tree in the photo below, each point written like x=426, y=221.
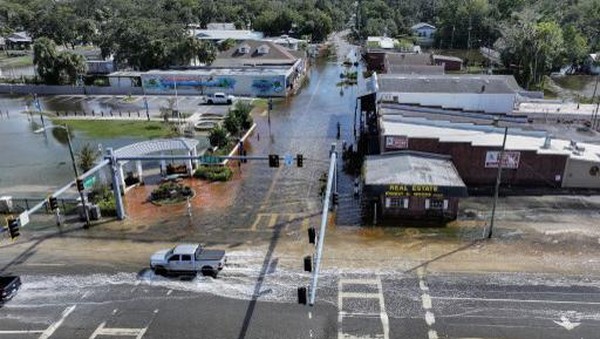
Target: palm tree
x=86, y=157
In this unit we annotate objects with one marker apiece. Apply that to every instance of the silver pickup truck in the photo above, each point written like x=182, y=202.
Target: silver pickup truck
x=188, y=258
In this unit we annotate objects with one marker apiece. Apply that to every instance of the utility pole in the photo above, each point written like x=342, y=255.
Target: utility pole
x=594, y=118
x=498, y=179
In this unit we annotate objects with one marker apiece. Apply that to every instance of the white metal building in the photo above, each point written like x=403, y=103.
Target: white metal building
x=478, y=93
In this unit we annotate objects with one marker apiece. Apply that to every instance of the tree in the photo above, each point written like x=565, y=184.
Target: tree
x=226, y=44
x=238, y=119
x=531, y=46
x=57, y=68
x=86, y=157
x=217, y=136
x=576, y=48
x=44, y=56
x=206, y=53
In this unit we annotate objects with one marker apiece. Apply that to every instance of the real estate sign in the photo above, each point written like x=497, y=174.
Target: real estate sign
x=509, y=160
x=396, y=142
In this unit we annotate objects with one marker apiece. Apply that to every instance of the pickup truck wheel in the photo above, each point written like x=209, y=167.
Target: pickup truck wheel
x=159, y=270
x=208, y=271
x=229, y=102
x=210, y=102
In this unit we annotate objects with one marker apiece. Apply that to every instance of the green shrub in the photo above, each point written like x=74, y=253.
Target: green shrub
x=213, y=173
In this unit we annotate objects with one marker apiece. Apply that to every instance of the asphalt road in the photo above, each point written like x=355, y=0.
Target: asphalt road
x=350, y=305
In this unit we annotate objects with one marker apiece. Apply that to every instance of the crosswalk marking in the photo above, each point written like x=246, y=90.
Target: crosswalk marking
x=382, y=314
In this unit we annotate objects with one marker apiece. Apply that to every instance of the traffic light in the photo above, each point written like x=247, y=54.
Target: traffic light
x=302, y=295
x=299, y=160
x=311, y=235
x=308, y=263
x=335, y=198
x=273, y=160
x=270, y=104
x=80, y=185
x=13, y=228
x=53, y=203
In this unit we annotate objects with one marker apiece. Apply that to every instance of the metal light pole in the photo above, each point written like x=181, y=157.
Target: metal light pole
x=498, y=179
x=85, y=211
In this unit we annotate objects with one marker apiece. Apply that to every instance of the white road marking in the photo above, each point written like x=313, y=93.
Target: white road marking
x=340, y=306
x=432, y=334
x=423, y=286
x=50, y=330
x=42, y=264
x=21, y=332
x=85, y=294
x=527, y=301
x=429, y=318
x=115, y=311
x=122, y=332
x=426, y=301
x=169, y=292
x=382, y=315
x=359, y=295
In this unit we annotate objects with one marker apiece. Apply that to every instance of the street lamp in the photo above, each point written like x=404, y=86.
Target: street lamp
x=85, y=211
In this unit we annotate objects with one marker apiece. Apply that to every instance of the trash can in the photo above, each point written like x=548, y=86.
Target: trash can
x=95, y=212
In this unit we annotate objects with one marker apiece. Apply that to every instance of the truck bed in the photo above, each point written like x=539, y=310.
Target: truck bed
x=210, y=255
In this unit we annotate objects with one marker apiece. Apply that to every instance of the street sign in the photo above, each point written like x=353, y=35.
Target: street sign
x=89, y=182
x=209, y=159
x=288, y=159
x=24, y=218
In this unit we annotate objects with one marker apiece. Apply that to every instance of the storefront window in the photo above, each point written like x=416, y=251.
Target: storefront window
x=396, y=202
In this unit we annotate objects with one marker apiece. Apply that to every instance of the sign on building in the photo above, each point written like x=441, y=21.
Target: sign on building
x=396, y=142
x=510, y=159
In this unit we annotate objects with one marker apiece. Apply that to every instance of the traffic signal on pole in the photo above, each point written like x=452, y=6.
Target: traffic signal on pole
x=80, y=185
x=308, y=263
x=13, y=228
x=299, y=160
x=335, y=198
x=302, y=295
x=53, y=203
x=312, y=235
x=273, y=160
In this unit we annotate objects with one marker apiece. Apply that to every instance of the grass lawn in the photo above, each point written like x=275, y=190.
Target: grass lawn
x=26, y=60
x=118, y=128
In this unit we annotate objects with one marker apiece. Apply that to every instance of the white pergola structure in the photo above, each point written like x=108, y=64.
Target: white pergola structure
x=156, y=146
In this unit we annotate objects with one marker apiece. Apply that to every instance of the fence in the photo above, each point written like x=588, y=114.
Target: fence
x=69, y=90
x=21, y=204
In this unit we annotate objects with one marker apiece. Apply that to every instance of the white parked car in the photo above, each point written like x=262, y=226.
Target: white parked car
x=219, y=98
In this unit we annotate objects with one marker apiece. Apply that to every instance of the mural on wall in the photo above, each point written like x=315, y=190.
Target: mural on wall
x=186, y=82
x=264, y=86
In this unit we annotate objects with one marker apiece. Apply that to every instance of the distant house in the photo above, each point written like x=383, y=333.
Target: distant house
x=18, y=40
x=217, y=32
x=424, y=32
x=287, y=42
x=257, y=53
x=221, y=26
x=450, y=63
x=383, y=42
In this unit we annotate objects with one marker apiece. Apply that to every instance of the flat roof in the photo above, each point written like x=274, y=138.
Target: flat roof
x=270, y=70
x=555, y=109
x=224, y=34
x=411, y=168
x=487, y=136
x=489, y=84
x=415, y=69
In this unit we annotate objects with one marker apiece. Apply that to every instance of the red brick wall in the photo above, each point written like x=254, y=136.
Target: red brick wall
x=534, y=169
